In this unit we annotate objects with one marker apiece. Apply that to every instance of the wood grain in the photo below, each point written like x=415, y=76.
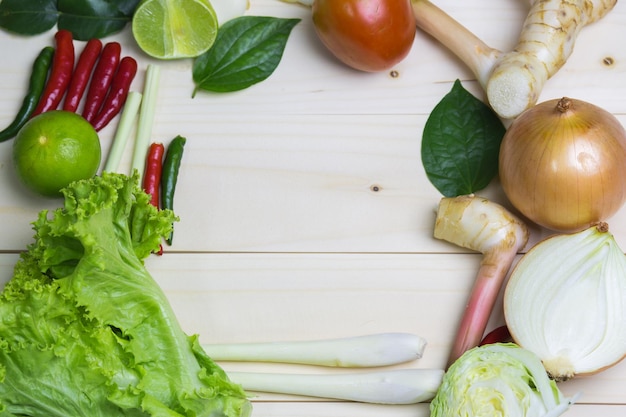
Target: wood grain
x=304, y=208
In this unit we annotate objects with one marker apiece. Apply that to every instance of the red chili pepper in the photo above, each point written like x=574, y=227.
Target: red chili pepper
x=117, y=94
x=498, y=335
x=101, y=79
x=82, y=74
x=152, y=176
x=60, y=74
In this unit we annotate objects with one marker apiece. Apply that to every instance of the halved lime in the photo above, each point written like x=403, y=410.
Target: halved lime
x=172, y=29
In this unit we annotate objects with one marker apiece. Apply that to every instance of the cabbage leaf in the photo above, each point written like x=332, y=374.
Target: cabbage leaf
x=86, y=330
x=499, y=379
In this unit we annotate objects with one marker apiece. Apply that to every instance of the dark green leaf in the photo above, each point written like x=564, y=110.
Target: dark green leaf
x=246, y=51
x=88, y=19
x=28, y=17
x=460, y=143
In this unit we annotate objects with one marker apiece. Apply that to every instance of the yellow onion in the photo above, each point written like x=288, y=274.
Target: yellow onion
x=565, y=301
x=563, y=164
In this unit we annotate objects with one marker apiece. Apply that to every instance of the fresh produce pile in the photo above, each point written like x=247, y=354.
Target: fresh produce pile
x=56, y=79
x=560, y=162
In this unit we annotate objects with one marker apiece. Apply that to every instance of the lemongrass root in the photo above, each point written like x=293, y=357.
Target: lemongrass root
x=127, y=120
x=481, y=225
x=382, y=349
x=404, y=386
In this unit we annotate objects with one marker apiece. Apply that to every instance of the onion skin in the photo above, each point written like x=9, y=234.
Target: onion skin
x=367, y=35
x=563, y=164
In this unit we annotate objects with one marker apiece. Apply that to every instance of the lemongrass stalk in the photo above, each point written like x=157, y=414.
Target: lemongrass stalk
x=479, y=57
x=405, y=386
x=146, y=119
x=127, y=120
x=484, y=226
x=360, y=351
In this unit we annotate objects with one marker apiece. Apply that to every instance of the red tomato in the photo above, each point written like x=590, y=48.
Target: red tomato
x=369, y=35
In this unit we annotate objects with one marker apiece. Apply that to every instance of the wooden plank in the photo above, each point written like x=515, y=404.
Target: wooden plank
x=335, y=189
x=273, y=409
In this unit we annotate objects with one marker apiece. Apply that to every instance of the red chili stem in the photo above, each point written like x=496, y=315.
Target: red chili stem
x=152, y=175
x=82, y=74
x=60, y=73
x=101, y=79
x=118, y=92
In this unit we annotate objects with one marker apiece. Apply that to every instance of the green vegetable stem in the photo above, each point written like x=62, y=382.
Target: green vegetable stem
x=169, y=176
x=36, y=85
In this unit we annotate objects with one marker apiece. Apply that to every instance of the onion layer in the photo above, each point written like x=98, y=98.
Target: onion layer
x=566, y=302
x=563, y=164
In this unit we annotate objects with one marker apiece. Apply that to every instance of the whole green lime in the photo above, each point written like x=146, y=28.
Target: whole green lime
x=53, y=149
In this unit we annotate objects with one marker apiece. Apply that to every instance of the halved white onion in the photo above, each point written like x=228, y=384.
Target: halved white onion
x=566, y=302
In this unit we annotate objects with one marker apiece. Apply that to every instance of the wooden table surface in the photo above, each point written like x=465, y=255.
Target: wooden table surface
x=304, y=209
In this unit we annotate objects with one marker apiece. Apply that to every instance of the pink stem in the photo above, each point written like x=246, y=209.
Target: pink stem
x=491, y=274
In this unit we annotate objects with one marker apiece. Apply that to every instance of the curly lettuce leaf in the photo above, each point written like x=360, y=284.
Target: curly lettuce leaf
x=87, y=331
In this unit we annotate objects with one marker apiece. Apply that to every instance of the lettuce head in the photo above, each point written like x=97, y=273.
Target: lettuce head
x=498, y=379
x=86, y=331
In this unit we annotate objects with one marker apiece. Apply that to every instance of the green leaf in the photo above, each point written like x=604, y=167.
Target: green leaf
x=86, y=19
x=461, y=143
x=246, y=51
x=28, y=17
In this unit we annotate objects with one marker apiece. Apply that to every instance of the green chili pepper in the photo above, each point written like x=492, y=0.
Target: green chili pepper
x=37, y=83
x=169, y=175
